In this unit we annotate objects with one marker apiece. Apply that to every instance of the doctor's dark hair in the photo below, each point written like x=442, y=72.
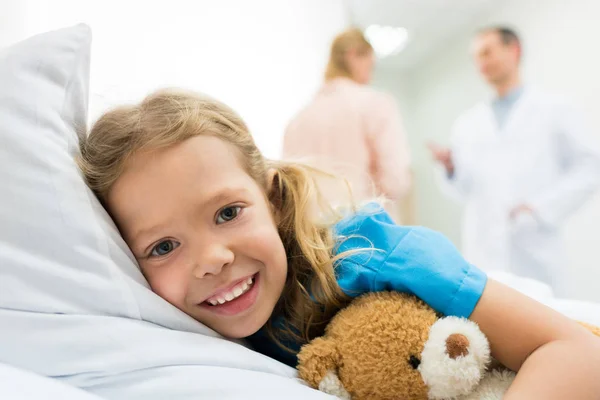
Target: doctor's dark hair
x=507, y=35
x=311, y=295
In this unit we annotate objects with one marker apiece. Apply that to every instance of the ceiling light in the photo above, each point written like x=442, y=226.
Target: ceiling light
x=386, y=40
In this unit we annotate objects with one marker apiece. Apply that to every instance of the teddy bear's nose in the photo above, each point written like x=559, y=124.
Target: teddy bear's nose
x=457, y=345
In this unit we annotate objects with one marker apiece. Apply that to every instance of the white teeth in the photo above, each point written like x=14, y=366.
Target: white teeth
x=236, y=292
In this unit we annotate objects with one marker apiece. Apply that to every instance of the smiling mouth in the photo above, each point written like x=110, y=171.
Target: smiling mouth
x=232, y=293
x=235, y=299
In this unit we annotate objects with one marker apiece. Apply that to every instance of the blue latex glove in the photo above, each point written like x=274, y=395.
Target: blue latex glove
x=414, y=260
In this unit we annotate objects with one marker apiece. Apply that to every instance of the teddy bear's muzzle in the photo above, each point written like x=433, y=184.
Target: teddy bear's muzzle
x=454, y=358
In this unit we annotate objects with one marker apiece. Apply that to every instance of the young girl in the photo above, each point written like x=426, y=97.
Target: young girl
x=232, y=239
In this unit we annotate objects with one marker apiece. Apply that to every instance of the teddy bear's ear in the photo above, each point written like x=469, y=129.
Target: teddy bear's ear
x=318, y=363
x=316, y=358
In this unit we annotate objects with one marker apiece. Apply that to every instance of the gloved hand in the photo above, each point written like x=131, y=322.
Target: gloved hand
x=415, y=260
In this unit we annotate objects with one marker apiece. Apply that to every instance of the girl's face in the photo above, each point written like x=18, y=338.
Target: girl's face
x=203, y=233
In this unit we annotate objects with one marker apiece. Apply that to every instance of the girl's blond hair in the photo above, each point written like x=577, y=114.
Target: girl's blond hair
x=351, y=39
x=311, y=295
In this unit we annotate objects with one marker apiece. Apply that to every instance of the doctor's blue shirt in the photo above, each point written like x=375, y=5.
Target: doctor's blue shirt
x=503, y=106
x=413, y=260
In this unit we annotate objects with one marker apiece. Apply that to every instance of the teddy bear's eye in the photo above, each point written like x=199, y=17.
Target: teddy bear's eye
x=414, y=362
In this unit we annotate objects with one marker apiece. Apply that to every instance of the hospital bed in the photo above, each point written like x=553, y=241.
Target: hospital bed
x=73, y=304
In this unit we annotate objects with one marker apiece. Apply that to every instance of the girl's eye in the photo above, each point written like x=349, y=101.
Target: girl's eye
x=164, y=248
x=227, y=214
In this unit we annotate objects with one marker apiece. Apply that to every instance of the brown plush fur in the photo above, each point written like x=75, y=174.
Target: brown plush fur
x=369, y=345
x=371, y=355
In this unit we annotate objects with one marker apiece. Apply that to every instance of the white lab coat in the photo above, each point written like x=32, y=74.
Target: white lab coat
x=542, y=157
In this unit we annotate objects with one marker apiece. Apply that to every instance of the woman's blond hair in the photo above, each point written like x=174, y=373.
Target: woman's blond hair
x=350, y=39
x=311, y=295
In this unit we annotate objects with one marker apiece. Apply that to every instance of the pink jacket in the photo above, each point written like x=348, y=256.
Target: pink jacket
x=356, y=132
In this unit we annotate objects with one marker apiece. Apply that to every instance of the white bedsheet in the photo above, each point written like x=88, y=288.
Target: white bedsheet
x=17, y=384
x=585, y=311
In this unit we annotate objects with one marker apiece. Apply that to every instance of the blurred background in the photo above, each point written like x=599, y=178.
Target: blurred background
x=266, y=59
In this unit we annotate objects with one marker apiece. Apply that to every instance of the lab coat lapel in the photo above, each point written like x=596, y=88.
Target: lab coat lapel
x=485, y=125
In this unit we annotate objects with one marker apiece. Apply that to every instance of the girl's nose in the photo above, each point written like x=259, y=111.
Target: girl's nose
x=212, y=260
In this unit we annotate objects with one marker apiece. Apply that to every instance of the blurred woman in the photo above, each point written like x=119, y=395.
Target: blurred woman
x=352, y=129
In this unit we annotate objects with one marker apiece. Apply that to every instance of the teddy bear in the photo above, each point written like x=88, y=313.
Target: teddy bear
x=390, y=345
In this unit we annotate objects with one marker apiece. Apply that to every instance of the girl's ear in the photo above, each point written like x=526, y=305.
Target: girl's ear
x=275, y=190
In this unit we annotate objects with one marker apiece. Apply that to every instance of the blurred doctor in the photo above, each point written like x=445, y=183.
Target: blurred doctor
x=352, y=129
x=522, y=163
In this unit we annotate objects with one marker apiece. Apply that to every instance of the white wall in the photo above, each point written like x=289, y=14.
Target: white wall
x=262, y=57
x=560, y=44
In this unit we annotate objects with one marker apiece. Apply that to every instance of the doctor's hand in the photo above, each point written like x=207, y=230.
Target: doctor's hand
x=521, y=209
x=442, y=155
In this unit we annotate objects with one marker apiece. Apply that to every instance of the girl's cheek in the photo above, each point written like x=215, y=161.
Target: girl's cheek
x=169, y=283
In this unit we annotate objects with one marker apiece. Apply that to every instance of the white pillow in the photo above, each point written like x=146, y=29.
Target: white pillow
x=73, y=304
